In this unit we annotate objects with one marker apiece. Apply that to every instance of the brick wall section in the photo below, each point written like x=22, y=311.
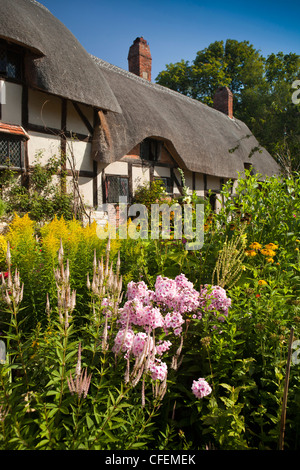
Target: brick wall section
x=139, y=59
x=223, y=101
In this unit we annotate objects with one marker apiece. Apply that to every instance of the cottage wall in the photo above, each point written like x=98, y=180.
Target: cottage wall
x=11, y=112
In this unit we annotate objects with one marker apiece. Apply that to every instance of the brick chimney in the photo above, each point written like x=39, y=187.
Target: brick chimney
x=139, y=59
x=223, y=101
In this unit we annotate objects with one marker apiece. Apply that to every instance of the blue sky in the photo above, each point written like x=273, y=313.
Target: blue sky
x=177, y=29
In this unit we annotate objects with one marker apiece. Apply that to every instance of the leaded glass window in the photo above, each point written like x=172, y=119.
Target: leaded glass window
x=10, y=63
x=116, y=187
x=10, y=151
x=167, y=183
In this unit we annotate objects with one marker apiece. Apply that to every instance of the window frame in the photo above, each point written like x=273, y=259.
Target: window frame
x=16, y=52
x=171, y=181
x=107, y=178
x=149, y=155
x=13, y=138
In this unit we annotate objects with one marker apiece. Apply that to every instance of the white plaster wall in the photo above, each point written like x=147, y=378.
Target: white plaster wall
x=44, y=109
x=45, y=144
x=234, y=186
x=86, y=189
x=140, y=176
x=12, y=110
x=178, y=176
x=100, y=168
x=117, y=168
x=161, y=171
x=82, y=155
x=74, y=121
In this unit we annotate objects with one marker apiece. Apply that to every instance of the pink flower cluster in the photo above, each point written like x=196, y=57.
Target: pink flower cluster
x=164, y=307
x=148, y=310
x=173, y=297
x=158, y=370
x=178, y=294
x=214, y=299
x=201, y=388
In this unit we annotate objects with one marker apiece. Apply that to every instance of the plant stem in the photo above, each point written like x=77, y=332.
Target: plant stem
x=285, y=392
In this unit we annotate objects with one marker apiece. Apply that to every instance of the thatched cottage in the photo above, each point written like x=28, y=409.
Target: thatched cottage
x=123, y=129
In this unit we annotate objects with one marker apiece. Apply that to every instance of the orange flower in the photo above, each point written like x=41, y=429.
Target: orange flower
x=268, y=252
x=250, y=253
x=255, y=246
x=271, y=246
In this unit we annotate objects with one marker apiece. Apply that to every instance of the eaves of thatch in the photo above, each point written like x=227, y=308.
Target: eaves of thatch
x=55, y=61
x=202, y=139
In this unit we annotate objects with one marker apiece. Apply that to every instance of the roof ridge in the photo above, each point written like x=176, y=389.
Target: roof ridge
x=161, y=88
x=39, y=5
x=146, y=82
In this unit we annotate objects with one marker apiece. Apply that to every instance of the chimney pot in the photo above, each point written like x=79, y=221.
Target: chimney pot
x=223, y=101
x=139, y=58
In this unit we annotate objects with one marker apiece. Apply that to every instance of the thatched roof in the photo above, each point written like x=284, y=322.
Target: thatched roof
x=56, y=62
x=203, y=139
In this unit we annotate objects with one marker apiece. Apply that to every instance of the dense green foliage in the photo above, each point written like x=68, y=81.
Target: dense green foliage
x=41, y=195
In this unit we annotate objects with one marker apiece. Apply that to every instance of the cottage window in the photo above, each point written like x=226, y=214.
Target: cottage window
x=10, y=63
x=116, y=187
x=167, y=183
x=10, y=151
x=150, y=150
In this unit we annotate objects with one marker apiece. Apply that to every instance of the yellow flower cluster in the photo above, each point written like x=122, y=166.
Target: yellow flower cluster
x=73, y=235
x=269, y=251
x=3, y=250
x=21, y=230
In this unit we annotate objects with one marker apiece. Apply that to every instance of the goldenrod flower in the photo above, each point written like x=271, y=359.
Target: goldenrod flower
x=3, y=248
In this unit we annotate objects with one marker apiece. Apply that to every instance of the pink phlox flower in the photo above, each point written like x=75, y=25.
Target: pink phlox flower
x=162, y=347
x=158, y=369
x=165, y=291
x=173, y=320
x=123, y=341
x=214, y=298
x=178, y=294
x=106, y=303
x=136, y=313
x=138, y=345
x=201, y=388
x=139, y=290
x=130, y=312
